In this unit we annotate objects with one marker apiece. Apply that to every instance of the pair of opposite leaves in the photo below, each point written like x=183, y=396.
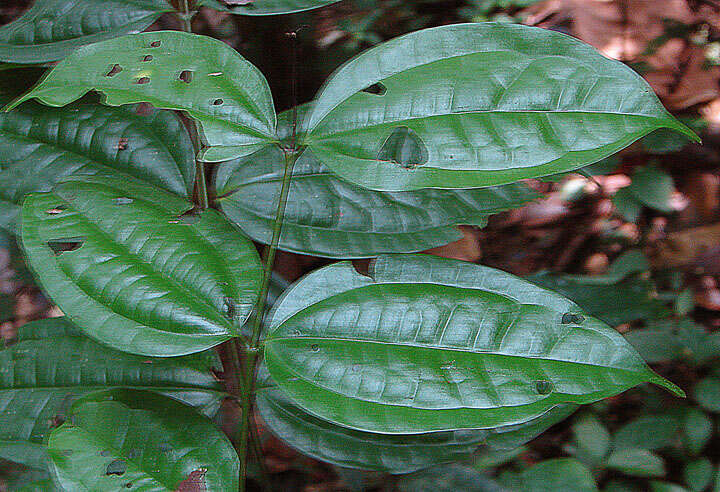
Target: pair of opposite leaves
x=146, y=280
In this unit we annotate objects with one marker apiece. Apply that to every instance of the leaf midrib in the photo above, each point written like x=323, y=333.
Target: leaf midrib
x=444, y=348
x=314, y=137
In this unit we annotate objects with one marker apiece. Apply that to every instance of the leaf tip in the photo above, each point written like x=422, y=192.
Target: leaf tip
x=669, y=386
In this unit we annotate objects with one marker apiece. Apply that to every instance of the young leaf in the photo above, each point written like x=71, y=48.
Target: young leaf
x=427, y=344
x=52, y=364
x=222, y=91
x=52, y=29
x=39, y=146
x=487, y=104
x=327, y=216
x=265, y=7
x=129, y=265
x=127, y=439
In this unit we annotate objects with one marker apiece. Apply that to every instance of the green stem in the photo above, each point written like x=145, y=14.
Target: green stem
x=186, y=17
x=252, y=353
x=200, y=182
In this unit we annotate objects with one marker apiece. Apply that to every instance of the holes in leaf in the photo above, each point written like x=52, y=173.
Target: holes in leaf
x=143, y=80
x=195, y=482
x=378, y=89
x=116, y=468
x=315, y=347
x=404, y=148
x=155, y=44
x=60, y=246
x=571, y=318
x=104, y=453
x=543, y=387
x=122, y=143
x=114, y=70
x=186, y=76
x=218, y=102
x=57, y=210
x=122, y=201
x=147, y=58
x=228, y=308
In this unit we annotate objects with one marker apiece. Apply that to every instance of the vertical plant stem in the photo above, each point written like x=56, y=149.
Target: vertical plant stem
x=187, y=19
x=200, y=183
x=253, y=353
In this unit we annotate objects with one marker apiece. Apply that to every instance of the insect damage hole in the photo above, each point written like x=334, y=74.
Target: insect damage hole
x=116, y=468
x=147, y=58
x=114, y=70
x=57, y=210
x=218, y=102
x=122, y=200
x=64, y=245
x=404, y=148
x=143, y=80
x=377, y=89
x=571, y=318
x=155, y=44
x=543, y=387
x=186, y=76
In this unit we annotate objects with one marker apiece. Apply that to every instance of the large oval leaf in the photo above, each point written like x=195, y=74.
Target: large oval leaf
x=52, y=29
x=222, y=91
x=52, y=364
x=124, y=263
x=427, y=344
x=484, y=104
x=39, y=146
x=125, y=439
x=351, y=448
x=266, y=7
x=327, y=216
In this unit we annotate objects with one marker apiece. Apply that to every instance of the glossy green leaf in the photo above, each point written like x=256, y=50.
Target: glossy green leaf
x=265, y=7
x=125, y=439
x=126, y=263
x=636, y=462
x=558, y=474
x=327, y=216
x=52, y=364
x=223, y=92
x=52, y=29
x=39, y=146
x=387, y=453
x=427, y=344
x=489, y=103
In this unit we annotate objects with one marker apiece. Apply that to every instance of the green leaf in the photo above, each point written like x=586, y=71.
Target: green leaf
x=592, y=438
x=141, y=440
x=52, y=29
x=380, y=452
x=648, y=432
x=489, y=103
x=697, y=430
x=707, y=393
x=698, y=474
x=39, y=146
x=126, y=263
x=327, y=216
x=266, y=7
x=558, y=474
x=427, y=344
x=636, y=462
x=223, y=92
x=52, y=364
x=450, y=478
x=620, y=296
